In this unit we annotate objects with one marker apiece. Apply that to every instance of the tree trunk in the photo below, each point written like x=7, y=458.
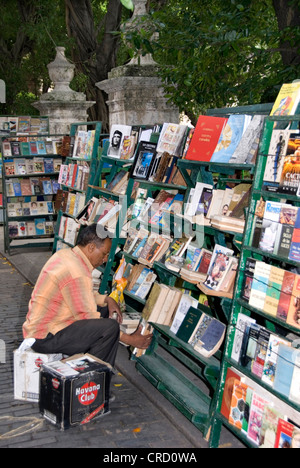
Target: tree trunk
x=288, y=16
x=93, y=58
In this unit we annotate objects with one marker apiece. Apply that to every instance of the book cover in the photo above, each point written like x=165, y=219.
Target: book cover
x=238, y=403
x=273, y=290
x=48, y=165
x=259, y=285
x=256, y=418
x=230, y=137
x=144, y=160
x=287, y=100
x=293, y=317
x=20, y=166
x=275, y=159
x=285, y=295
x=269, y=427
x=248, y=401
x=211, y=337
x=294, y=253
x=241, y=325
x=284, y=435
x=269, y=370
x=270, y=226
x=41, y=147
x=218, y=266
x=205, y=138
x=261, y=352
x=185, y=303
x=287, y=358
x=25, y=148
x=26, y=187
x=170, y=138
x=15, y=148
x=9, y=167
x=246, y=150
x=232, y=376
x=290, y=176
x=248, y=278
x=116, y=137
x=17, y=188
x=40, y=226
x=283, y=240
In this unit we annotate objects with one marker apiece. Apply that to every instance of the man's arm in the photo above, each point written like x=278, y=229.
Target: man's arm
x=136, y=339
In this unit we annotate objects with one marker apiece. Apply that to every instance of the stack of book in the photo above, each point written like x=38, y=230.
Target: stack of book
x=272, y=290
x=264, y=419
x=222, y=209
x=74, y=175
x=36, y=227
x=35, y=165
x=31, y=186
x=24, y=125
x=31, y=208
x=276, y=229
x=68, y=202
x=30, y=146
x=172, y=307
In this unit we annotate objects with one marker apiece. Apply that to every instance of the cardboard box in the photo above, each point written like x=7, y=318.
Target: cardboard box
x=74, y=390
x=26, y=373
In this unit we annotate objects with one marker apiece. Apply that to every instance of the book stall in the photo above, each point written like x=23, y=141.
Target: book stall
x=205, y=229
x=32, y=178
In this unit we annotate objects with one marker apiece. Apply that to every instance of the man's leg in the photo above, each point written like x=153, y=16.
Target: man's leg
x=99, y=337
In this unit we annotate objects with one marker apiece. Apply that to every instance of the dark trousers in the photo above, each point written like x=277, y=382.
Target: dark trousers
x=99, y=337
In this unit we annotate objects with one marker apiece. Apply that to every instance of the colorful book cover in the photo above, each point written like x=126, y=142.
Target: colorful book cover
x=287, y=100
x=284, y=434
x=205, y=138
x=270, y=364
x=256, y=418
x=259, y=285
x=238, y=402
x=230, y=138
x=273, y=291
x=286, y=295
x=270, y=226
x=293, y=317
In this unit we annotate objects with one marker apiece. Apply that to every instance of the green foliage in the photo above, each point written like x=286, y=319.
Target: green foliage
x=216, y=53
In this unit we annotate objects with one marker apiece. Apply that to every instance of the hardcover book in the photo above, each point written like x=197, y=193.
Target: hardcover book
x=205, y=138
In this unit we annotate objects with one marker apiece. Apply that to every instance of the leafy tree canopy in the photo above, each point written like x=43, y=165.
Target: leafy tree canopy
x=212, y=53
x=215, y=53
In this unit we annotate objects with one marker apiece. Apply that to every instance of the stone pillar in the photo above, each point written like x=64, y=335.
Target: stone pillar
x=135, y=92
x=62, y=105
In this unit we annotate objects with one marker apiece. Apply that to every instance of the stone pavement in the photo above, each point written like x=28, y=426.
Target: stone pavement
x=140, y=416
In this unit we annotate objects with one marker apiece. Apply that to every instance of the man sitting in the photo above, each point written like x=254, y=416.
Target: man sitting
x=63, y=314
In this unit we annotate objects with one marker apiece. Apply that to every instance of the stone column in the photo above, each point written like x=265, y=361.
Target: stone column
x=135, y=92
x=62, y=105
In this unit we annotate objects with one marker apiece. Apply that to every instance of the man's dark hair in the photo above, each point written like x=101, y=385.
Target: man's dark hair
x=89, y=234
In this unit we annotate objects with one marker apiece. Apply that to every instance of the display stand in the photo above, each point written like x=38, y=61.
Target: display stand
x=70, y=186
x=195, y=400
x=239, y=364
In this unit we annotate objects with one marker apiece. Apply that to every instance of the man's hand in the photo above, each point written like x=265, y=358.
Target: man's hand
x=114, y=307
x=136, y=339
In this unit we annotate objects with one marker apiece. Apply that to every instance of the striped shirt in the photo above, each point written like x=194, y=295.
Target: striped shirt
x=63, y=294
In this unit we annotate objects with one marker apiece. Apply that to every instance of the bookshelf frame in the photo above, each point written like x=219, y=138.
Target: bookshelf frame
x=273, y=324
